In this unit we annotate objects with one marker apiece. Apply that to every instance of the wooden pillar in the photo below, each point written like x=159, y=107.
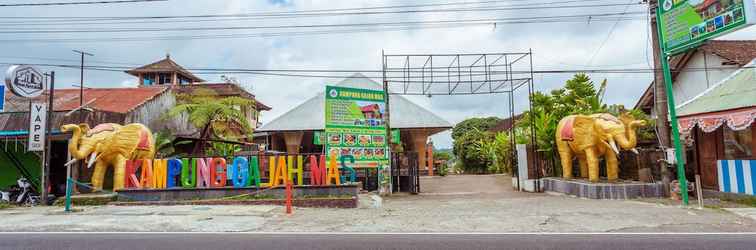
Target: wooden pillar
x=430, y=157
x=419, y=139
x=293, y=141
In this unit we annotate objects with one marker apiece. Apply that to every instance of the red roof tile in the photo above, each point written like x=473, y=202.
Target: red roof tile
x=117, y=100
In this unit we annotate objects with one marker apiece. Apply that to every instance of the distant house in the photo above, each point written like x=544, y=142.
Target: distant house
x=372, y=111
x=715, y=92
x=506, y=124
x=144, y=104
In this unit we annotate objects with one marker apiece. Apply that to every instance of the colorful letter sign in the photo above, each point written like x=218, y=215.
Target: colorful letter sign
x=688, y=22
x=354, y=126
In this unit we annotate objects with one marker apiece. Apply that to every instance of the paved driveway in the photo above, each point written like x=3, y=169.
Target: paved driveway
x=447, y=204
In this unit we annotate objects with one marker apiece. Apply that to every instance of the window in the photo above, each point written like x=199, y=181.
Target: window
x=148, y=80
x=165, y=79
x=738, y=144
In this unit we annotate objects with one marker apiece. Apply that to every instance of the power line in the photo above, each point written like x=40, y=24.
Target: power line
x=304, y=72
x=307, y=26
x=244, y=17
x=76, y=3
x=292, y=33
x=609, y=35
x=283, y=12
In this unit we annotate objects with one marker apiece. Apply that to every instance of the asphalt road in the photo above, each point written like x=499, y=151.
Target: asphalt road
x=227, y=241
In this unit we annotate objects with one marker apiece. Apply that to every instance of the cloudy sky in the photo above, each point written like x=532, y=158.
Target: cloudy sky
x=582, y=43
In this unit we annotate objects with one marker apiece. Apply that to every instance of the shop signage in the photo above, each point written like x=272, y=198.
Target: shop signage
x=355, y=127
x=37, y=118
x=24, y=81
x=686, y=23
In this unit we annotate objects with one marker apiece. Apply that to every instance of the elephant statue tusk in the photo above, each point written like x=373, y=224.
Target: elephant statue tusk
x=71, y=162
x=634, y=150
x=91, y=159
x=614, y=147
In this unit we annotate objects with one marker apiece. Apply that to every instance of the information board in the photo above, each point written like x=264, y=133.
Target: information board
x=689, y=22
x=355, y=126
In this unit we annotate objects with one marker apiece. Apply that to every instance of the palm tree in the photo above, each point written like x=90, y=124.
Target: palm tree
x=216, y=117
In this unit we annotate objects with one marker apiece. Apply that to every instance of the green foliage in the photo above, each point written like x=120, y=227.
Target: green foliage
x=442, y=155
x=165, y=144
x=466, y=134
x=472, y=159
x=443, y=170
x=222, y=149
x=223, y=117
x=481, y=124
x=496, y=150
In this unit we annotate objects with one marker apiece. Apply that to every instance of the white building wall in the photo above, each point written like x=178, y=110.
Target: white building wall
x=694, y=79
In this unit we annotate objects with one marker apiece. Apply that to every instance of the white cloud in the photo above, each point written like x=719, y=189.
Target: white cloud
x=554, y=45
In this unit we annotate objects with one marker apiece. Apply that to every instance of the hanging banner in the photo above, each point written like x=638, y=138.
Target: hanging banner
x=689, y=22
x=37, y=118
x=354, y=125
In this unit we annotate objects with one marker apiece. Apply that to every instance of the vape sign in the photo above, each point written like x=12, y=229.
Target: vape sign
x=24, y=81
x=38, y=116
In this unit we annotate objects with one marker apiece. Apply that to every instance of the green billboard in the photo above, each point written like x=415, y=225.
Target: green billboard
x=355, y=126
x=686, y=23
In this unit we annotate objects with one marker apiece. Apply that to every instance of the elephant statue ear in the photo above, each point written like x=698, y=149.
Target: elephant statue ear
x=585, y=135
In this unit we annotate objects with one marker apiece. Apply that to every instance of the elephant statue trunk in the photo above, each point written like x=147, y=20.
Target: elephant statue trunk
x=77, y=152
x=629, y=139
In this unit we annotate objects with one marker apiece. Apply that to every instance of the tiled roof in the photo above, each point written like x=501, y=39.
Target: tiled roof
x=116, y=100
x=165, y=65
x=739, y=52
x=222, y=89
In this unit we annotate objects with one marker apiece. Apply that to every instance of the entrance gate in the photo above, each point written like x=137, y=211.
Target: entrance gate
x=455, y=74
x=405, y=172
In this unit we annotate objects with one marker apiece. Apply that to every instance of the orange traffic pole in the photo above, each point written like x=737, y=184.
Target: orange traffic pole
x=288, y=197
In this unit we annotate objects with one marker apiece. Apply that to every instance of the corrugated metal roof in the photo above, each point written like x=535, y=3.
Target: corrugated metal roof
x=310, y=114
x=736, y=91
x=116, y=100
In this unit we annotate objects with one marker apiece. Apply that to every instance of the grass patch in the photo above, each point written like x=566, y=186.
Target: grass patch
x=272, y=197
x=747, y=201
x=85, y=200
x=5, y=205
x=246, y=197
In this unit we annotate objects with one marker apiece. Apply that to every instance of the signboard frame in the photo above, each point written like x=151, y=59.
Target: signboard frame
x=37, y=126
x=686, y=24
x=355, y=125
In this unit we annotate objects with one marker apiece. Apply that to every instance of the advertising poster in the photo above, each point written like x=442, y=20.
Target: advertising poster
x=354, y=125
x=688, y=22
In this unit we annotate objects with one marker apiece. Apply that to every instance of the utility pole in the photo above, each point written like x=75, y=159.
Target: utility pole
x=48, y=141
x=81, y=84
x=664, y=57
x=660, y=99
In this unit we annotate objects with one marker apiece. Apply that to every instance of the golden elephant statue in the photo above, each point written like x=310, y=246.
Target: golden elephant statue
x=109, y=144
x=589, y=137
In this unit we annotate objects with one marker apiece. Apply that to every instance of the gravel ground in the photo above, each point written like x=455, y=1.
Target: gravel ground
x=446, y=204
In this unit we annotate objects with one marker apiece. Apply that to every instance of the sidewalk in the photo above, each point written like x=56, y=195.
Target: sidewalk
x=442, y=208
